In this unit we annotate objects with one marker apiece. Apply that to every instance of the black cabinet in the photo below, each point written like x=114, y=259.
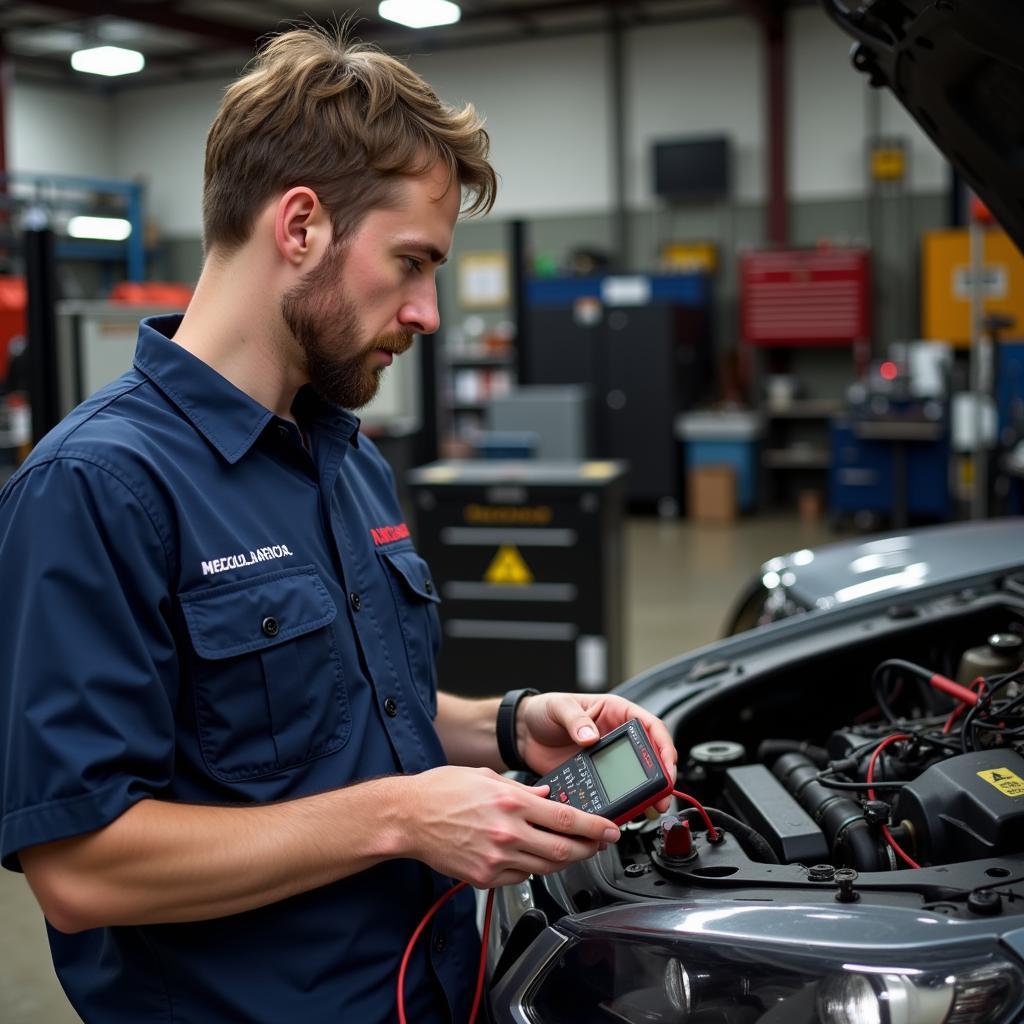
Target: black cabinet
x=528, y=559
x=641, y=364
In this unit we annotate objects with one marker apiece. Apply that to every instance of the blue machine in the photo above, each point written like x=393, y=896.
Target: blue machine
x=897, y=466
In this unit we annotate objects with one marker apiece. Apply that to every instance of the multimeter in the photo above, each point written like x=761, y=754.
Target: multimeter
x=618, y=777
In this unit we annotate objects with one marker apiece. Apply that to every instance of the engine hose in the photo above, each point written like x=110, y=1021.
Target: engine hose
x=754, y=844
x=769, y=750
x=850, y=838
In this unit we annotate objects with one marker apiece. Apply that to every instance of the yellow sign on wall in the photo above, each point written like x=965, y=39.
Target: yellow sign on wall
x=946, y=283
x=888, y=163
x=691, y=257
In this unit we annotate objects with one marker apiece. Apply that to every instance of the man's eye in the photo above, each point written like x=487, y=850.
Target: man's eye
x=412, y=263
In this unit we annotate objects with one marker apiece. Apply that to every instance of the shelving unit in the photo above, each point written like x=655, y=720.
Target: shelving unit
x=805, y=409
x=56, y=197
x=804, y=313
x=641, y=346
x=796, y=456
x=472, y=378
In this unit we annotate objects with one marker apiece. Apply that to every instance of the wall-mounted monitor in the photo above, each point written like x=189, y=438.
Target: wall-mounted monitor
x=691, y=170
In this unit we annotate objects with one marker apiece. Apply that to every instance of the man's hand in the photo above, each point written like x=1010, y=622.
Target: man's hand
x=474, y=824
x=551, y=727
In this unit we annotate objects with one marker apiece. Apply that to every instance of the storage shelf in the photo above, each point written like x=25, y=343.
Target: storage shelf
x=469, y=406
x=796, y=458
x=482, y=360
x=805, y=409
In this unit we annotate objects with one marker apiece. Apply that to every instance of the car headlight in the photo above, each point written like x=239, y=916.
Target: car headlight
x=592, y=972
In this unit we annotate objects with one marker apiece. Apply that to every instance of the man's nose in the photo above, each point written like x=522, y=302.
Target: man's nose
x=420, y=314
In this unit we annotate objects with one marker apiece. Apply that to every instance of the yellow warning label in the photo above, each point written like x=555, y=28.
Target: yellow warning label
x=522, y=515
x=1004, y=780
x=508, y=568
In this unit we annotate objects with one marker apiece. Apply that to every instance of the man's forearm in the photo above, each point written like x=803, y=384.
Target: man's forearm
x=466, y=729
x=162, y=862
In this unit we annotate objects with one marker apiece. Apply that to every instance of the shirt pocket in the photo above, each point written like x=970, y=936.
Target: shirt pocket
x=416, y=602
x=265, y=672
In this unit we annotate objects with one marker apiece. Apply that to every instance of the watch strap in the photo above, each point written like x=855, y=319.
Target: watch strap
x=505, y=728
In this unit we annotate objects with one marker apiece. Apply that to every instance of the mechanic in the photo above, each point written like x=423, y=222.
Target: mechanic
x=227, y=773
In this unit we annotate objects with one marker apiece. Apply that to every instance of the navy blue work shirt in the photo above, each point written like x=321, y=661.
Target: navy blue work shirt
x=198, y=608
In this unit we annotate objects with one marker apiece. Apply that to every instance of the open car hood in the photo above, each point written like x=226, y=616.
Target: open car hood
x=958, y=68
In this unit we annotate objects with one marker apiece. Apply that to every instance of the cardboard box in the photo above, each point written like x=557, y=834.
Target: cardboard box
x=711, y=494
x=811, y=505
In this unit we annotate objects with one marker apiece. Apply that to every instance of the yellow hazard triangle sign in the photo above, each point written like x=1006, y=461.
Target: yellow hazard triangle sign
x=508, y=568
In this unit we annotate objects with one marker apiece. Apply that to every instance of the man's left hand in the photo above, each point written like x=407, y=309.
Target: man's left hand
x=551, y=727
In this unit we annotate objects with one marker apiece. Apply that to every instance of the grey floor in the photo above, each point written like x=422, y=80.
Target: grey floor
x=682, y=578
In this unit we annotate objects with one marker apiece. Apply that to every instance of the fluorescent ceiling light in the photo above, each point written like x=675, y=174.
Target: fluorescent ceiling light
x=420, y=13
x=108, y=60
x=109, y=229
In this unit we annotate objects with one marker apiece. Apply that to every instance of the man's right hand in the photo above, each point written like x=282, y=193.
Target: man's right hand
x=476, y=825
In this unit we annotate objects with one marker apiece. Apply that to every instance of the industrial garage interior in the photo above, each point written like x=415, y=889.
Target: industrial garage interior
x=731, y=303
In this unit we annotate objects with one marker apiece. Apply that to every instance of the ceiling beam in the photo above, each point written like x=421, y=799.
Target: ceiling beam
x=161, y=15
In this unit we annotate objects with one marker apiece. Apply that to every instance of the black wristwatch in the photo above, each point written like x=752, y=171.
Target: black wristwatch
x=506, y=729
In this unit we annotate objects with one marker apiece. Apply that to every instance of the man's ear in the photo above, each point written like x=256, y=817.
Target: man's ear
x=302, y=229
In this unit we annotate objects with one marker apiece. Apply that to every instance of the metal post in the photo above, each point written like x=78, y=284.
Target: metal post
x=136, y=240
x=778, y=190
x=41, y=281
x=617, y=105
x=519, y=259
x=979, y=465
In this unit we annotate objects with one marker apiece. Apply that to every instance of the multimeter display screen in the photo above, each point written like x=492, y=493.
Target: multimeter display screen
x=618, y=768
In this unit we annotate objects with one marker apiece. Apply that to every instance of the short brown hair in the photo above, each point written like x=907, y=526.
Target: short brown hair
x=318, y=109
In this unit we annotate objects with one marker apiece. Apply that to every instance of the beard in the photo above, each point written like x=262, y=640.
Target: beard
x=323, y=320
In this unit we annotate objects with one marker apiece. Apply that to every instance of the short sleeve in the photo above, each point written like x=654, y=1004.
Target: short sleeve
x=88, y=664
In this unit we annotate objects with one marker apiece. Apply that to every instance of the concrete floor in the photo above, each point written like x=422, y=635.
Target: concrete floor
x=682, y=580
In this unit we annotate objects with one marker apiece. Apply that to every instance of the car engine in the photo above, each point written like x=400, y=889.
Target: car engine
x=851, y=850
x=844, y=774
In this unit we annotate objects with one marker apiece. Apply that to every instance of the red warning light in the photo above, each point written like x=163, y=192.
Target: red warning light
x=889, y=370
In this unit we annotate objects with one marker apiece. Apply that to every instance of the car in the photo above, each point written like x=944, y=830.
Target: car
x=875, y=568
x=858, y=753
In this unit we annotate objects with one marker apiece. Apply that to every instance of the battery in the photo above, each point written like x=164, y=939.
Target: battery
x=762, y=801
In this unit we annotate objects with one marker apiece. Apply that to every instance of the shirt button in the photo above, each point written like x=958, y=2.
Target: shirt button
x=282, y=432
x=391, y=707
x=439, y=944
x=428, y=586
x=270, y=626
x=356, y=601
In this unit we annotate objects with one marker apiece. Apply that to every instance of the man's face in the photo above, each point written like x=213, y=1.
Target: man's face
x=364, y=301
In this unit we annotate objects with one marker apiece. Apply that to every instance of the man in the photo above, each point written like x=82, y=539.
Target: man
x=227, y=773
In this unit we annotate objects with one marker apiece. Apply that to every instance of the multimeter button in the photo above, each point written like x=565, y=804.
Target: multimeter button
x=564, y=797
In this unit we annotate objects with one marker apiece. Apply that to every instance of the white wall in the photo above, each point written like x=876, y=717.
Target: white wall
x=547, y=114
x=546, y=104
x=56, y=131
x=828, y=111
x=696, y=78
x=159, y=137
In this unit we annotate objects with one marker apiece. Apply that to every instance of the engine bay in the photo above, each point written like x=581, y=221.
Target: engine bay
x=889, y=769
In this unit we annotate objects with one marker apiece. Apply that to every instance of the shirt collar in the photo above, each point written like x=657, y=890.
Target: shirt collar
x=225, y=415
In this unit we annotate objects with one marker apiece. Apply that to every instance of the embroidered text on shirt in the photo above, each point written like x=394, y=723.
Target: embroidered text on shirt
x=389, y=534
x=243, y=559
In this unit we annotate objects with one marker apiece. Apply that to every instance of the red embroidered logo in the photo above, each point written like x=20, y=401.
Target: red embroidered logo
x=389, y=534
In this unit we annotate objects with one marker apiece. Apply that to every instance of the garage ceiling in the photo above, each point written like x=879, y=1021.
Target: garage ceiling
x=186, y=39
